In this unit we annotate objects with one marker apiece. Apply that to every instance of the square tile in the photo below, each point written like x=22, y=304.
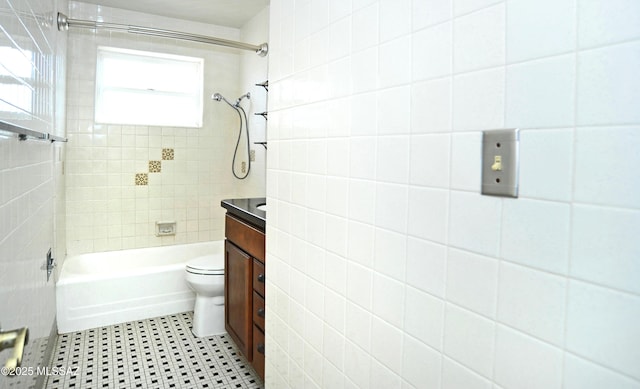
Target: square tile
x=533, y=31
x=604, y=247
x=168, y=154
x=602, y=325
x=525, y=362
x=608, y=88
x=532, y=301
x=155, y=166
x=142, y=179
x=479, y=39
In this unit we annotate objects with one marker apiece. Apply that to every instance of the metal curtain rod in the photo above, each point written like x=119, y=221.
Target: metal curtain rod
x=64, y=23
x=24, y=133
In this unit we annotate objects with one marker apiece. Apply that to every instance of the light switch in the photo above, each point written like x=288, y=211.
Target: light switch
x=500, y=162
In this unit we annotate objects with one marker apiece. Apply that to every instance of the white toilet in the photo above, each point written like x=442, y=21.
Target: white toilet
x=205, y=275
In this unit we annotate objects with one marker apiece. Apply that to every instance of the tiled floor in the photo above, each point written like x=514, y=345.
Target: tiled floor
x=154, y=353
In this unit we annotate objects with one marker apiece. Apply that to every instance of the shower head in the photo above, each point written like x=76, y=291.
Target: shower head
x=247, y=95
x=219, y=97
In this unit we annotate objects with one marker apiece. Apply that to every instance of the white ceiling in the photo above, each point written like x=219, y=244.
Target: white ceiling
x=232, y=13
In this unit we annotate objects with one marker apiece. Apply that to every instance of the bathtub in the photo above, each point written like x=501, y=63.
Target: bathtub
x=101, y=289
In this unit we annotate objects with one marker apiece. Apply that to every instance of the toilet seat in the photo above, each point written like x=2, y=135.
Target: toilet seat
x=206, y=265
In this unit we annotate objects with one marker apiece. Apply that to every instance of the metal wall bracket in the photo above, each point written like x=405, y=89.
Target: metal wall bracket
x=49, y=265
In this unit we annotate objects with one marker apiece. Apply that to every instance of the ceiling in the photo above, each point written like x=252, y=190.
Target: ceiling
x=231, y=13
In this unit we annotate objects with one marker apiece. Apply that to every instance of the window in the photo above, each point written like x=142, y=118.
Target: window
x=16, y=79
x=144, y=88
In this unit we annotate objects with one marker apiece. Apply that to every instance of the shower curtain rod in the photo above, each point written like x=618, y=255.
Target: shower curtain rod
x=64, y=23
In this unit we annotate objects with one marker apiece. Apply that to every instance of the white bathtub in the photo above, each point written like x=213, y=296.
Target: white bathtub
x=113, y=287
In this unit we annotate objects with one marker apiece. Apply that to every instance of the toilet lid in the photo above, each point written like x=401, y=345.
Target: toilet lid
x=207, y=264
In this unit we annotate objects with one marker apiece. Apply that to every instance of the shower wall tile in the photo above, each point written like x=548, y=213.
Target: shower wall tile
x=424, y=317
x=479, y=100
x=426, y=266
x=534, y=32
x=607, y=86
x=431, y=53
x=547, y=178
x=524, y=362
x=541, y=93
x=469, y=338
x=364, y=21
x=536, y=234
x=479, y=39
x=429, y=12
x=472, y=282
x=429, y=214
x=532, y=302
x=457, y=376
x=593, y=311
x=431, y=106
x=466, y=150
x=429, y=163
x=599, y=25
x=395, y=19
x=595, y=231
x=394, y=111
x=421, y=365
x=486, y=292
x=474, y=223
x=395, y=62
x=582, y=374
x=610, y=179
x=461, y=7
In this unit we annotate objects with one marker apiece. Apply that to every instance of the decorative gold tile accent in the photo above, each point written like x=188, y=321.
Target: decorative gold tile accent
x=167, y=154
x=142, y=179
x=155, y=166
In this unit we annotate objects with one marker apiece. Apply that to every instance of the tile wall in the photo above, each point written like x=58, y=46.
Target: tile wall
x=254, y=71
x=387, y=268
x=120, y=180
x=31, y=181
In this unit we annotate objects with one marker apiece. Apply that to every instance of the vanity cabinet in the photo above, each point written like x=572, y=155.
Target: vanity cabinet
x=244, y=289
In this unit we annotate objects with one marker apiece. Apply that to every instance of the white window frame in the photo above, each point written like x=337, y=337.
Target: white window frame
x=146, y=88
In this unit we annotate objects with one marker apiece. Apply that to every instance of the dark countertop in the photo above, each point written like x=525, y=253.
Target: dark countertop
x=245, y=209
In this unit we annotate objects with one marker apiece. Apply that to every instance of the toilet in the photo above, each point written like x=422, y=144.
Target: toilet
x=205, y=276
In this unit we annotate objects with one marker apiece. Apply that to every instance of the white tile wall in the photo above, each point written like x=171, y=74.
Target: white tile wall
x=31, y=180
x=105, y=210
x=524, y=362
x=461, y=290
x=534, y=32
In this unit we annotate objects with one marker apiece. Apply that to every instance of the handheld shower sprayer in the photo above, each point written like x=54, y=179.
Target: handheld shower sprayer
x=218, y=97
x=243, y=115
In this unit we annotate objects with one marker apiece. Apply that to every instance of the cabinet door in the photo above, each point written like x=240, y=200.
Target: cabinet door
x=238, y=297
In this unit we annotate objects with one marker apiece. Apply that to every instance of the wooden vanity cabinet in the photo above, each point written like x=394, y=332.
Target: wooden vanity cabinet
x=244, y=289
x=237, y=291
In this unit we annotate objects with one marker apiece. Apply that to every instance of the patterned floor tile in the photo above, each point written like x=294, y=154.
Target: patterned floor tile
x=160, y=352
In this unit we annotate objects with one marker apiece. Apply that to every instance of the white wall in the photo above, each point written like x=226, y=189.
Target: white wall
x=31, y=180
x=387, y=268
x=105, y=209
